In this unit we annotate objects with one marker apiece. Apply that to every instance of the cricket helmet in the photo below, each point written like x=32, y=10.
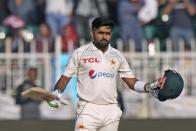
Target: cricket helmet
x=173, y=86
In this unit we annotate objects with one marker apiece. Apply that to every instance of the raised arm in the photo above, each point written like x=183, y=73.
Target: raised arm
x=169, y=7
x=190, y=7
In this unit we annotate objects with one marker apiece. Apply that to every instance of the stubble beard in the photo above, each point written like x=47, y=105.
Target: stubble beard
x=102, y=44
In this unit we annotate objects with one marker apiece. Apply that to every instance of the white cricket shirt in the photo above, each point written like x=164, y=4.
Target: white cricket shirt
x=96, y=73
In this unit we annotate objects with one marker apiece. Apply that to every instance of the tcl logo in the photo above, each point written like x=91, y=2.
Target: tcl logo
x=90, y=60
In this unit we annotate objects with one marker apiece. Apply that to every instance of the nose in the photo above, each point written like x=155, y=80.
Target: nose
x=105, y=36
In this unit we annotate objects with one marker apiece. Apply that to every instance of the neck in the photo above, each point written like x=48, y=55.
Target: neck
x=104, y=49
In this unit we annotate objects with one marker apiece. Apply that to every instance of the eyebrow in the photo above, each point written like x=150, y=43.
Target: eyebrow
x=103, y=32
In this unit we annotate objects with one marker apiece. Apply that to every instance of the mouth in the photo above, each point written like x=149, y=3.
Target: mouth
x=104, y=41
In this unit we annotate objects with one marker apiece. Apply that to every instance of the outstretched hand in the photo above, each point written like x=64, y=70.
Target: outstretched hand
x=156, y=85
x=161, y=82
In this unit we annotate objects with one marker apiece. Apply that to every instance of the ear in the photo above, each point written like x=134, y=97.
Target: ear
x=92, y=35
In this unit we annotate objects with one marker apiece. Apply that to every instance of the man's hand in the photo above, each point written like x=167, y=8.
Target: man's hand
x=154, y=86
x=55, y=103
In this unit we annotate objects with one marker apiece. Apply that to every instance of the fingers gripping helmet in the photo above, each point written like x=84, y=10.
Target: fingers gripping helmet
x=173, y=86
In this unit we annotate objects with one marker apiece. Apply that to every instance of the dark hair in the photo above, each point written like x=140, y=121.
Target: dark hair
x=100, y=21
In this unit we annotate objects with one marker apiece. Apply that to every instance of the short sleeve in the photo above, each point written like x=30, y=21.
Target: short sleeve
x=124, y=69
x=71, y=67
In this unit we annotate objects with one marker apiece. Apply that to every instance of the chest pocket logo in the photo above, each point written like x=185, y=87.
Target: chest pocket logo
x=113, y=63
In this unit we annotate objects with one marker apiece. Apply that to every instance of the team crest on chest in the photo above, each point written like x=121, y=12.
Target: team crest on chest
x=113, y=63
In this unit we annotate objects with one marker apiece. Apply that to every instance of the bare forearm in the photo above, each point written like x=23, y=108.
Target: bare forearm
x=143, y=87
x=168, y=9
x=62, y=83
x=130, y=82
x=190, y=7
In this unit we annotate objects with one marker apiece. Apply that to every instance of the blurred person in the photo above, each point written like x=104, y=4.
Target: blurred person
x=69, y=36
x=19, y=40
x=4, y=12
x=58, y=14
x=4, y=31
x=44, y=36
x=146, y=15
x=132, y=16
x=83, y=12
x=112, y=14
x=25, y=9
x=159, y=28
x=18, y=43
x=112, y=9
x=29, y=107
x=179, y=13
x=96, y=66
x=129, y=24
x=148, y=12
x=23, y=14
x=41, y=6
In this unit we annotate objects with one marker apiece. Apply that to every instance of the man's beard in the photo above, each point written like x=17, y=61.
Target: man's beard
x=102, y=44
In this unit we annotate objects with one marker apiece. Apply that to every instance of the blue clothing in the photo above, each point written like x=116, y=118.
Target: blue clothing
x=180, y=16
x=129, y=25
x=181, y=27
x=57, y=22
x=26, y=10
x=177, y=34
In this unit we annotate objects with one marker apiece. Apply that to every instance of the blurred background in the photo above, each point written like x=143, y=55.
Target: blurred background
x=38, y=36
